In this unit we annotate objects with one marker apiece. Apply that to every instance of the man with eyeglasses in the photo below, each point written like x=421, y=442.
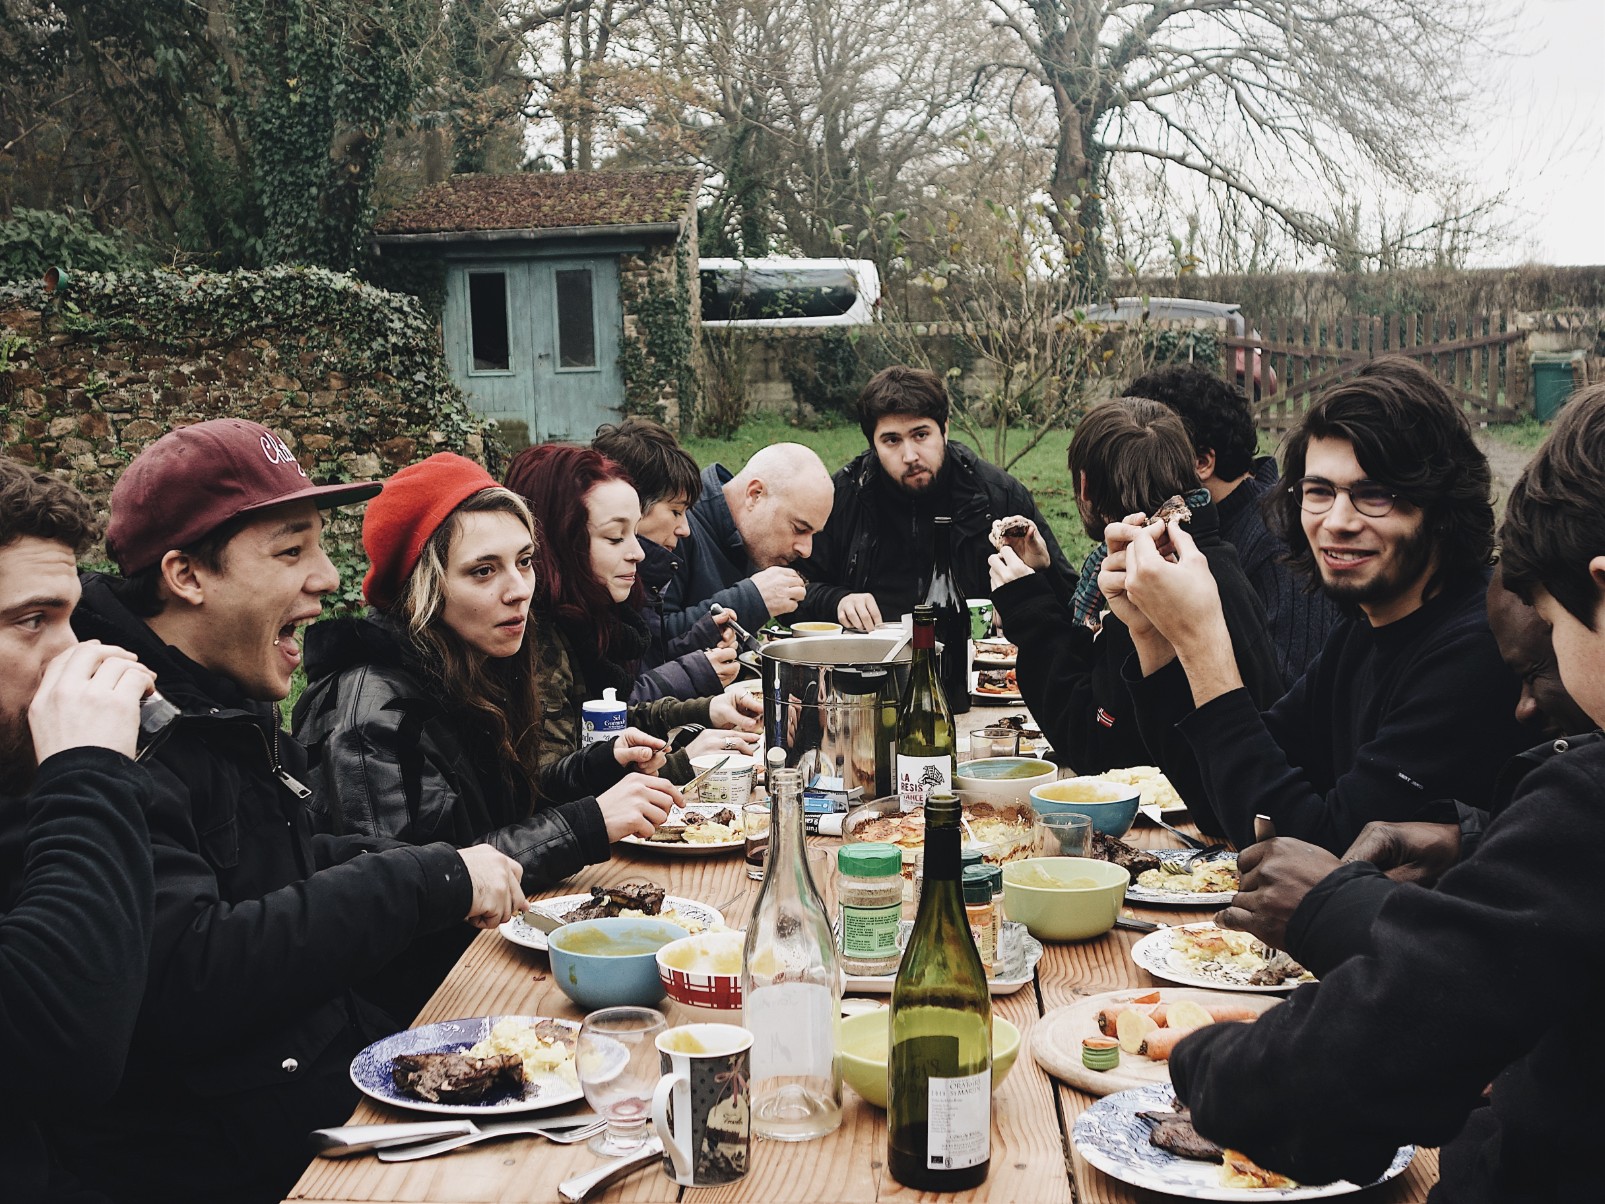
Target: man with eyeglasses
x=1386, y=505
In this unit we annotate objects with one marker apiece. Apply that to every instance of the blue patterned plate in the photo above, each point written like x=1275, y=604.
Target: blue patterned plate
x=1112, y=1137
x=370, y=1069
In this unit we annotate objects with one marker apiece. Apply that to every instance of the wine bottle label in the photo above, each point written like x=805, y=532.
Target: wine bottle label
x=793, y=1029
x=917, y=777
x=960, y=1111
x=870, y=932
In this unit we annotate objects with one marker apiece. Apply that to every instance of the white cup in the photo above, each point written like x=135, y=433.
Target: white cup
x=731, y=784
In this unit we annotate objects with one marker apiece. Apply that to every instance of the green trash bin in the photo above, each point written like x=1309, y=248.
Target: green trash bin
x=1553, y=381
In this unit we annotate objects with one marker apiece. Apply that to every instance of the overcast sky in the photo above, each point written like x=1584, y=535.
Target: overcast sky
x=1546, y=137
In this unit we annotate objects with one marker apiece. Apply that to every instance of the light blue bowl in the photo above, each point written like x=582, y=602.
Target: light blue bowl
x=603, y=980
x=1113, y=815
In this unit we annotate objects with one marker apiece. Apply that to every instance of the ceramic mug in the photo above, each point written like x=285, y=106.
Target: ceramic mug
x=702, y=1106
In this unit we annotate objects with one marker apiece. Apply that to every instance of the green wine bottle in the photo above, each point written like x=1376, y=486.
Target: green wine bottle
x=939, y=1074
x=925, y=762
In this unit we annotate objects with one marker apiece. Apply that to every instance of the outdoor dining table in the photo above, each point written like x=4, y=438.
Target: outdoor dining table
x=1033, y=1113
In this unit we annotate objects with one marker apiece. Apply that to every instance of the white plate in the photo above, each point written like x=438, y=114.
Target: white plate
x=1155, y=954
x=531, y=937
x=1112, y=1137
x=370, y=1069
x=683, y=848
x=987, y=658
x=1178, y=898
x=1026, y=952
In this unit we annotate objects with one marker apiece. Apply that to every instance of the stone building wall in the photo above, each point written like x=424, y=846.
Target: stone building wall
x=661, y=302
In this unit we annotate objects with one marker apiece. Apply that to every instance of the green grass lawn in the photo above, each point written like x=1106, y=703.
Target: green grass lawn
x=1042, y=470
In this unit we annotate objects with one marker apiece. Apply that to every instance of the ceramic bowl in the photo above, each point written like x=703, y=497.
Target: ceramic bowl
x=703, y=971
x=1002, y=780
x=866, y=1038
x=611, y=962
x=1083, y=902
x=1112, y=806
x=814, y=627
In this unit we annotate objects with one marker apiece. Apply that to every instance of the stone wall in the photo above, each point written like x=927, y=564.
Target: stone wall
x=348, y=375
x=661, y=304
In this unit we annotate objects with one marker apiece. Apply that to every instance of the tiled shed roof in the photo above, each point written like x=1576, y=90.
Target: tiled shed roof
x=544, y=201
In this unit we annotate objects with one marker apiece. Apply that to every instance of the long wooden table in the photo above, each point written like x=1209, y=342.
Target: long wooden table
x=1033, y=1113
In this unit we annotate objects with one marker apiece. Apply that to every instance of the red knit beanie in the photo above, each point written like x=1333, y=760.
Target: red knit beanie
x=399, y=522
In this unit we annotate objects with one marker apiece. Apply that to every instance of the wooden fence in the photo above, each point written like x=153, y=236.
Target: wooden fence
x=1480, y=358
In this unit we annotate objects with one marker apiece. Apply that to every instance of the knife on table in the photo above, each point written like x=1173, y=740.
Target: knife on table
x=359, y=1139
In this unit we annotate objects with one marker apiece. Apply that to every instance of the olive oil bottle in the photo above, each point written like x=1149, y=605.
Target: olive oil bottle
x=939, y=1074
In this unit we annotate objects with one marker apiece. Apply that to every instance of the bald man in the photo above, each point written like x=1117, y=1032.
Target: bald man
x=746, y=530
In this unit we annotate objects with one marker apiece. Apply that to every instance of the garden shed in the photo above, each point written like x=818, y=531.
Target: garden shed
x=570, y=297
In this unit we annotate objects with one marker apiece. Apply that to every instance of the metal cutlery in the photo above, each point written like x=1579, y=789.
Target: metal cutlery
x=565, y=1131
x=703, y=776
x=358, y=1139
x=1151, y=812
x=576, y=1189
x=748, y=640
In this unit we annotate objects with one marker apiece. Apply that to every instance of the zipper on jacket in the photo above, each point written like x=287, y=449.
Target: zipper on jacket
x=276, y=767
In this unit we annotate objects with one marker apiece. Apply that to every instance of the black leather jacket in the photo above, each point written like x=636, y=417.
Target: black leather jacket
x=388, y=757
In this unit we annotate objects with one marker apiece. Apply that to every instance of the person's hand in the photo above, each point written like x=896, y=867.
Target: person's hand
x=1178, y=596
x=780, y=587
x=498, y=885
x=1029, y=547
x=635, y=749
x=716, y=740
x=1407, y=852
x=1112, y=581
x=1005, y=566
x=859, y=612
x=724, y=662
x=636, y=805
x=1275, y=876
x=741, y=711
x=88, y=697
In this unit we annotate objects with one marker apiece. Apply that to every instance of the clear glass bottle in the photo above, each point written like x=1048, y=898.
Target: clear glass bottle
x=952, y=621
x=939, y=1077
x=925, y=748
x=791, y=983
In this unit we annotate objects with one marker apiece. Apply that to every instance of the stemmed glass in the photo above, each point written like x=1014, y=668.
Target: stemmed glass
x=617, y=1061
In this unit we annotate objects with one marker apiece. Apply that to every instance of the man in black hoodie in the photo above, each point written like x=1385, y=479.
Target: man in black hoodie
x=75, y=872
x=261, y=928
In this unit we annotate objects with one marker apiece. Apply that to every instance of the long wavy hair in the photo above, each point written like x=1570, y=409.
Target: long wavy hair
x=502, y=692
x=556, y=479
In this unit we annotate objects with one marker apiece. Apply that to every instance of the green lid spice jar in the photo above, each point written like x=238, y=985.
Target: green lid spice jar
x=869, y=892
x=982, y=915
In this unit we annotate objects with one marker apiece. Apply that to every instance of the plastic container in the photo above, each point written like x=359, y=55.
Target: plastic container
x=1554, y=378
x=869, y=893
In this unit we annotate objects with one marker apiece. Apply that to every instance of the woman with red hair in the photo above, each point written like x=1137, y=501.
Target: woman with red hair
x=587, y=594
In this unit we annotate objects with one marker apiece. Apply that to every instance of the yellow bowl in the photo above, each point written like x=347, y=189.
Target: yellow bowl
x=811, y=627
x=866, y=1038
x=1084, y=901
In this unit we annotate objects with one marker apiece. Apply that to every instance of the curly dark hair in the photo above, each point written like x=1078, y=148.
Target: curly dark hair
x=1213, y=410
x=1408, y=434
x=902, y=390
x=1555, y=518
x=36, y=505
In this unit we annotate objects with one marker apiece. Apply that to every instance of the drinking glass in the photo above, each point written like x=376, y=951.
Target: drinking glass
x=995, y=741
x=616, y=1059
x=1066, y=834
x=755, y=819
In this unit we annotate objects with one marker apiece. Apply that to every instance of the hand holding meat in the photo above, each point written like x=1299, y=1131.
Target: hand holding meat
x=859, y=612
x=89, y=698
x=1020, y=535
x=1179, y=597
x=781, y=588
x=1407, y=852
x=742, y=712
x=636, y=805
x=1276, y=875
x=1112, y=579
x=635, y=749
x=498, y=885
x=1004, y=566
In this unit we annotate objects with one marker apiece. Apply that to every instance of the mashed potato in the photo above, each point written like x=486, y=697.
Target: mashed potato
x=542, y=1056
x=1155, y=786
x=1206, y=877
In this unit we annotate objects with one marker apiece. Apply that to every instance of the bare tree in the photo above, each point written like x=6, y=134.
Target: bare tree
x=1272, y=102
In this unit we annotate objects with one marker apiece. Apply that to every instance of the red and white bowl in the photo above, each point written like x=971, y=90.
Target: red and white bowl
x=703, y=971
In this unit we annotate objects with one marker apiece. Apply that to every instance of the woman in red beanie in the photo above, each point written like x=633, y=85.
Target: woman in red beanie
x=587, y=595
x=422, y=718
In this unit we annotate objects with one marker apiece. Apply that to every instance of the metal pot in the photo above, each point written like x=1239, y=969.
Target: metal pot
x=830, y=704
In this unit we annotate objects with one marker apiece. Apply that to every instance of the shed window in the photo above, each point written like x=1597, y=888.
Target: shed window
x=576, y=319
x=487, y=321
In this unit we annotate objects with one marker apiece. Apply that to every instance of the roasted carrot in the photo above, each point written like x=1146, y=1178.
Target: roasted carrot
x=1158, y=1044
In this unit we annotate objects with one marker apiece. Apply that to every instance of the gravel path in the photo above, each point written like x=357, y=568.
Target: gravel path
x=1507, y=463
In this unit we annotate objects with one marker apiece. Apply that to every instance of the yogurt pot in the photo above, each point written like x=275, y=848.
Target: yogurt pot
x=731, y=784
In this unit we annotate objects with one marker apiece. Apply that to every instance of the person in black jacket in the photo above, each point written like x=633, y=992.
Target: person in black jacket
x=1127, y=454
x=75, y=859
x=262, y=928
x=1220, y=427
x=873, y=561
x=1408, y=704
x=1440, y=998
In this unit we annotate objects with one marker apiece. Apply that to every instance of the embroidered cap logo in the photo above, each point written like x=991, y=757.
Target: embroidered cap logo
x=277, y=452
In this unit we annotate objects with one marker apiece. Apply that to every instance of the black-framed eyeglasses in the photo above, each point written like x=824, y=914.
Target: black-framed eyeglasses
x=1317, y=495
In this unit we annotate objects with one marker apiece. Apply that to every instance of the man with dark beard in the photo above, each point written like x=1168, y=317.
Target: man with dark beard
x=1386, y=502
x=873, y=560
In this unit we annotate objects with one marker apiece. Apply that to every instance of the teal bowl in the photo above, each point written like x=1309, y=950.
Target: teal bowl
x=611, y=962
x=1112, y=806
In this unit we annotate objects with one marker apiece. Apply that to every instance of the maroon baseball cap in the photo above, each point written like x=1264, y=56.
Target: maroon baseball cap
x=193, y=480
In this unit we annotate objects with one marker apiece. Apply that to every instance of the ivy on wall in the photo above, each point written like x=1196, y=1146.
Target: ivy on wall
x=659, y=357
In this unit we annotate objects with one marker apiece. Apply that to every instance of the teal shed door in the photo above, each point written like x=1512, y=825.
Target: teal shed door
x=534, y=344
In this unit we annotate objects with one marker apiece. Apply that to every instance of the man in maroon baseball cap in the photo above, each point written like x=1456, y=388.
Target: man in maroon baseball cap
x=263, y=929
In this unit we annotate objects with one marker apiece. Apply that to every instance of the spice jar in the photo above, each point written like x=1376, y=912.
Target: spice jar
x=982, y=916
x=995, y=872
x=869, y=894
